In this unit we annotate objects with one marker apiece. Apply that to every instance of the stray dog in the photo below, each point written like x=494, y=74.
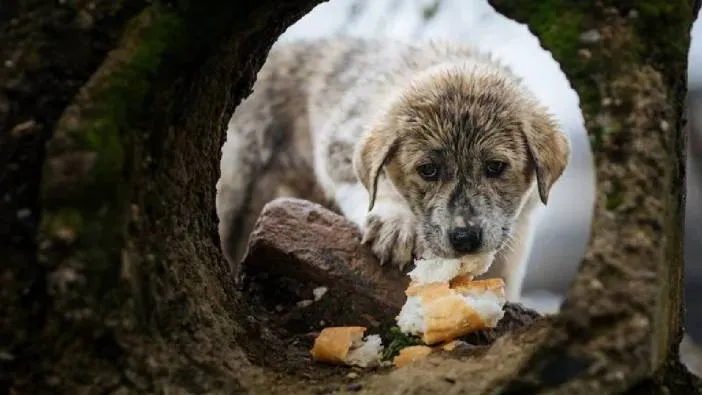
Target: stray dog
x=432, y=149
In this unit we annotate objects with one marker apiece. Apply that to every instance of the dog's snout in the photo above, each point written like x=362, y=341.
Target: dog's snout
x=466, y=239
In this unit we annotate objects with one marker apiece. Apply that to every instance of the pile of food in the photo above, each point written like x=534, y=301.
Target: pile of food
x=443, y=303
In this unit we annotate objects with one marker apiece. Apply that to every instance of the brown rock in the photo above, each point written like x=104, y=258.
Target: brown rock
x=298, y=246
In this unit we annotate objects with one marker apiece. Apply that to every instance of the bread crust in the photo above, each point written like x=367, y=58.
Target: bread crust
x=447, y=316
x=333, y=343
x=411, y=354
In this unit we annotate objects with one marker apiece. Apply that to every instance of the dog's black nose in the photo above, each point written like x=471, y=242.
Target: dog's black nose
x=466, y=240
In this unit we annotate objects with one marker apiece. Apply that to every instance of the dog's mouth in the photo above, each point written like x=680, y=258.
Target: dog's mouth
x=442, y=253
x=446, y=252
x=436, y=245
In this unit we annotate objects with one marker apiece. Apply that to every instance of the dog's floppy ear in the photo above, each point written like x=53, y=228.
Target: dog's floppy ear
x=549, y=148
x=371, y=153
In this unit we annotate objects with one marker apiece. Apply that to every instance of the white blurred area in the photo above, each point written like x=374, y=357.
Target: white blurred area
x=564, y=229
x=692, y=355
x=693, y=215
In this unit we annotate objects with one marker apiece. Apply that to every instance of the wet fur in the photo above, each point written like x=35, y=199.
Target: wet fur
x=364, y=114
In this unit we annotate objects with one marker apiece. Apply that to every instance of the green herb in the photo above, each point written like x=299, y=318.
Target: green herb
x=397, y=341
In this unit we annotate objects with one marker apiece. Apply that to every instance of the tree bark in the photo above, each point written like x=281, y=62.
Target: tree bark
x=112, y=115
x=111, y=277
x=622, y=318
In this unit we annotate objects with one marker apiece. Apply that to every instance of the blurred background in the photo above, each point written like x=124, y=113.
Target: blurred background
x=563, y=233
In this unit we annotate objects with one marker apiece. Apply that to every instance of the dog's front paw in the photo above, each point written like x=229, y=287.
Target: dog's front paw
x=390, y=231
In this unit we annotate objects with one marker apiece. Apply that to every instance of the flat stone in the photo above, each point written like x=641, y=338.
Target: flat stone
x=298, y=246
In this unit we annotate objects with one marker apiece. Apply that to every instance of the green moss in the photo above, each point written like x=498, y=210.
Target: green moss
x=106, y=123
x=664, y=43
x=596, y=137
x=614, y=197
x=120, y=97
x=559, y=24
x=667, y=45
x=429, y=11
x=123, y=95
x=102, y=123
x=396, y=341
x=559, y=30
x=65, y=219
x=599, y=132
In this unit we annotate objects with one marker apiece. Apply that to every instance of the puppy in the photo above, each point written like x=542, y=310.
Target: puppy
x=432, y=149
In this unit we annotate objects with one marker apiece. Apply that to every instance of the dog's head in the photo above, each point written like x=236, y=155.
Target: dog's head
x=466, y=146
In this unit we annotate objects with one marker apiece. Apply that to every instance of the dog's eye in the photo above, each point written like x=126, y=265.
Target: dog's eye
x=495, y=168
x=428, y=171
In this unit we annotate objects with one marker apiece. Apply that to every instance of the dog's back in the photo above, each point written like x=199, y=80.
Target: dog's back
x=321, y=74
x=303, y=88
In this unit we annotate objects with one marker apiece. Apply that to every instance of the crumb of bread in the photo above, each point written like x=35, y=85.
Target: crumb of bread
x=319, y=292
x=451, y=345
x=411, y=354
x=366, y=353
x=411, y=317
x=488, y=306
x=487, y=297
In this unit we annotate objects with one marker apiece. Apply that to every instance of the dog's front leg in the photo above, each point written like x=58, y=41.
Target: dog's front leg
x=389, y=228
x=511, y=261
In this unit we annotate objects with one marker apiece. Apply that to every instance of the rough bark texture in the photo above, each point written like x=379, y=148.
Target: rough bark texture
x=621, y=321
x=111, y=278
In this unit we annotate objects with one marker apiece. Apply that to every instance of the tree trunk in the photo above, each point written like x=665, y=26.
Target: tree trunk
x=622, y=318
x=111, y=277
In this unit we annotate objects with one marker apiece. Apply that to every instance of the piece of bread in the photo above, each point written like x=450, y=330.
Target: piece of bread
x=465, y=280
x=450, y=346
x=440, y=313
x=443, y=270
x=472, y=287
x=410, y=354
x=459, y=281
x=344, y=345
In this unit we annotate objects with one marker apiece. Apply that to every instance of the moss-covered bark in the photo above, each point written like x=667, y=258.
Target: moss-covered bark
x=621, y=321
x=111, y=277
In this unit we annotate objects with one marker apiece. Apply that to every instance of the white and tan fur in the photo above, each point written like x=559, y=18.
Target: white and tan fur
x=415, y=143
